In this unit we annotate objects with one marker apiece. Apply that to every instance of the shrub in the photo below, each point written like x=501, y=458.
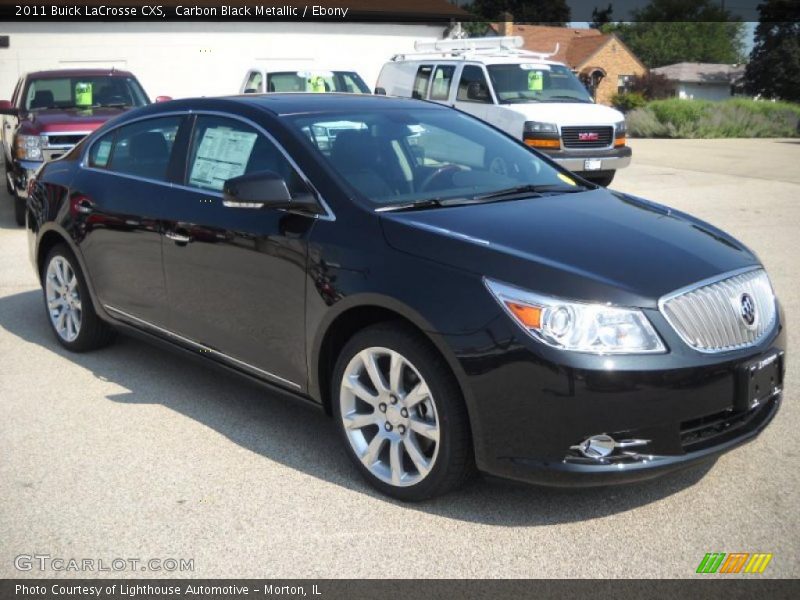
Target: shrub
x=653, y=86
x=738, y=117
x=628, y=101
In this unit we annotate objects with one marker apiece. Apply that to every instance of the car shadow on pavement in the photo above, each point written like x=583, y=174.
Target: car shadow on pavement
x=303, y=438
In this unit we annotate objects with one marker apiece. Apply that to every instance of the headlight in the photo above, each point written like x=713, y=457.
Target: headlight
x=577, y=326
x=537, y=127
x=620, y=128
x=29, y=147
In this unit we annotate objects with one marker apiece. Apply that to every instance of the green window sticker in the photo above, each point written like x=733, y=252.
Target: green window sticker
x=535, y=81
x=83, y=94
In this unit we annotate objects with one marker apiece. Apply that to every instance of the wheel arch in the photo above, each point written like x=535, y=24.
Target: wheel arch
x=355, y=315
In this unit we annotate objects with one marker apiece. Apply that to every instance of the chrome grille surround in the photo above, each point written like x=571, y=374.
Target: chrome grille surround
x=707, y=315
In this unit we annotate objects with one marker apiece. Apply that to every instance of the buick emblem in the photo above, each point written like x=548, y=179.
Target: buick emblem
x=747, y=310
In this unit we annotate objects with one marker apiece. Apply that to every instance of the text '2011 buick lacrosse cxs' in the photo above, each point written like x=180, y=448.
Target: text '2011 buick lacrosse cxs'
x=453, y=298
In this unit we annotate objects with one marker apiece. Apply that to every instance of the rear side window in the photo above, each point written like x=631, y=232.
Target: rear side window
x=225, y=148
x=255, y=83
x=143, y=149
x=442, y=78
x=420, y=90
x=100, y=154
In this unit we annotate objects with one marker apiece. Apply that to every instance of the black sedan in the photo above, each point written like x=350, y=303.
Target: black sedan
x=454, y=299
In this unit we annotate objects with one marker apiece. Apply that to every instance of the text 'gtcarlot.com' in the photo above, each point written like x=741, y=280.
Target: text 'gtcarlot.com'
x=45, y=562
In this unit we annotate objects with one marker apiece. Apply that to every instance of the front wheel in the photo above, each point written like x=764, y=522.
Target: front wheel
x=401, y=414
x=69, y=306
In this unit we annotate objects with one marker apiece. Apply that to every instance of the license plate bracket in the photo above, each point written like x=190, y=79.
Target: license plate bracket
x=758, y=380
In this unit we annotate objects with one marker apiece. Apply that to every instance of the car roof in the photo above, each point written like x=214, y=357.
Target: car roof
x=292, y=103
x=78, y=73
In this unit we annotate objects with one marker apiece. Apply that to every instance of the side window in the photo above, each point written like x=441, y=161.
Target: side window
x=225, y=148
x=143, y=148
x=15, y=95
x=254, y=83
x=420, y=90
x=472, y=87
x=100, y=153
x=442, y=78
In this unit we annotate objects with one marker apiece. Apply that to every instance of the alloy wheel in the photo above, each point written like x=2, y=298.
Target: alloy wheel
x=389, y=416
x=63, y=298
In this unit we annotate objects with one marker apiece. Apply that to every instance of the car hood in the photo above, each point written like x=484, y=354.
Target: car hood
x=567, y=113
x=69, y=119
x=596, y=246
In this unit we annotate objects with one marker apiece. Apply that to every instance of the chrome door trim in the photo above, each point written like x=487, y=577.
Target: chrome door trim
x=202, y=348
x=328, y=216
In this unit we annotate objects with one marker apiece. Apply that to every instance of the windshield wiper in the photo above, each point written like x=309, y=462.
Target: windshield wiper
x=419, y=204
x=531, y=190
x=573, y=98
x=113, y=105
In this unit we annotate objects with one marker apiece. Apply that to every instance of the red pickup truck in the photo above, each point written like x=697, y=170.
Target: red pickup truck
x=51, y=111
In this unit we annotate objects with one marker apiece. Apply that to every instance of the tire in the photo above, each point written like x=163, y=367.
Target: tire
x=19, y=210
x=64, y=287
x=603, y=178
x=420, y=442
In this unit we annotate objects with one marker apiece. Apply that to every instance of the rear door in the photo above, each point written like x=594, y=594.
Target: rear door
x=118, y=199
x=236, y=276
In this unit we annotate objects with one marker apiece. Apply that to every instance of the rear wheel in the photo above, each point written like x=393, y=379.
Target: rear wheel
x=19, y=210
x=69, y=306
x=401, y=414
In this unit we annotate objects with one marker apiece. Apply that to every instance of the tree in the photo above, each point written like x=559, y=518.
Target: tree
x=544, y=12
x=652, y=86
x=671, y=31
x=601, y=16
x=774, y=68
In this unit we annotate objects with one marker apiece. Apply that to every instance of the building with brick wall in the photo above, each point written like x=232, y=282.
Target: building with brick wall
x=602, y=61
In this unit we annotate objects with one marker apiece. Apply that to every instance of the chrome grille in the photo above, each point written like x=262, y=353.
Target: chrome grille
x=710, y=317
x=589, y=136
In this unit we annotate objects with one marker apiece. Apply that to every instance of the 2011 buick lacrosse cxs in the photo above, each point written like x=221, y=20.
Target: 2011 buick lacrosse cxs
x=453, y=298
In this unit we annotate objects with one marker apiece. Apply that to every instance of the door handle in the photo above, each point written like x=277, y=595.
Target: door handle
x=178, y=238
x=84, y=206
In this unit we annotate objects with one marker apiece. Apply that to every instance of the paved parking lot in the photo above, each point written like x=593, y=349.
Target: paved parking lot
x=134, y=452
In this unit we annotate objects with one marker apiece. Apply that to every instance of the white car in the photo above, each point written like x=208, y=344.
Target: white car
x=293, y=79
x=537, y=100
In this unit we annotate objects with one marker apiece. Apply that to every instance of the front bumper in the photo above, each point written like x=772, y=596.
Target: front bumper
x=530, y=406
x=575, y=159
x=22, y=171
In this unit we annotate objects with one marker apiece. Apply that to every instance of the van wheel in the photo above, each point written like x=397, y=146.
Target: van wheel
x=401, y=414
x=19, y=210
x=603, y=178
x=69, y=306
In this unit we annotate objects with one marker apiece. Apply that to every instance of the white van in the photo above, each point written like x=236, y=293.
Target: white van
x=523, y=93
x=290, y=78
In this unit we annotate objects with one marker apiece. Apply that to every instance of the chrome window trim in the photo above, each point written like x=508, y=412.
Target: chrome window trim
x=328, y=216
x=706, y=282
x=202, y=347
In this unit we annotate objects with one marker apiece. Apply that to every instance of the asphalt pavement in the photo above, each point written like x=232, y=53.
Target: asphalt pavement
x=135, y=452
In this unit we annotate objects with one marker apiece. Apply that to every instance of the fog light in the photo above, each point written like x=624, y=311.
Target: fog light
x=601, y=446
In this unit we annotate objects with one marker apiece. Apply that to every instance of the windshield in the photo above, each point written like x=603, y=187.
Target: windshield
x=400, y=156
x=316, y=81
x=84, y=92
x=531, y=82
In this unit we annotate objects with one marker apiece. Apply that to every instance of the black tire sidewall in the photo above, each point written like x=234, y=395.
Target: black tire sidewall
x=446, y=394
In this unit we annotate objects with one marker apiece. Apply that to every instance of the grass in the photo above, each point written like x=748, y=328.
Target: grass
x=738, y=117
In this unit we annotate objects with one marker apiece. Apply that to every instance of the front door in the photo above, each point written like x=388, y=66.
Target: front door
x=473, y=95
x=236, y=276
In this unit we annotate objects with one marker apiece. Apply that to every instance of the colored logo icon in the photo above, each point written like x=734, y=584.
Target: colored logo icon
x=735, y=562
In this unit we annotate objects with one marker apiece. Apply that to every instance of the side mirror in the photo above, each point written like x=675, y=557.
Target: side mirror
x=264, y=189
x=251, y=90
x=379, y=91
x=163, y=98
x=6, y=108
x=478, y=92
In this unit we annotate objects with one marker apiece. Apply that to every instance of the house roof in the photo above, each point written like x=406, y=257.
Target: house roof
x=689, y=72
x=575, y=46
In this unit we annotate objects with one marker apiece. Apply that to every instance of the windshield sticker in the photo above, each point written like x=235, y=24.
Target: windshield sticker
x=83, y=94
x=535, y=81
x=222, y=155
